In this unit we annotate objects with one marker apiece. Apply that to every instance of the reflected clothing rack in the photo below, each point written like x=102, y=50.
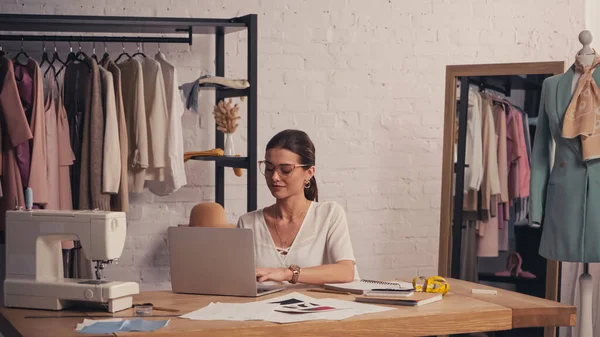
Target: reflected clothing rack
x=502, y=84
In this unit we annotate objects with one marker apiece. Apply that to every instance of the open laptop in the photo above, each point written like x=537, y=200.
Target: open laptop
x=214, y=261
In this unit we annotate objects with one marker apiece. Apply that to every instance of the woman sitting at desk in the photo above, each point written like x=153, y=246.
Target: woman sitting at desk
x=298, y=239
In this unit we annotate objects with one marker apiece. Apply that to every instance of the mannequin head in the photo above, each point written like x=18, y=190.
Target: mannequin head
x=289, y=165
x=209, y=214
x=585, y=38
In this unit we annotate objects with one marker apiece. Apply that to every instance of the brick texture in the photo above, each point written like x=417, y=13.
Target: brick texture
x=365, y=79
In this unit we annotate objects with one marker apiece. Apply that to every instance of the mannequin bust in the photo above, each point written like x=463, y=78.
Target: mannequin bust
x=586, y=56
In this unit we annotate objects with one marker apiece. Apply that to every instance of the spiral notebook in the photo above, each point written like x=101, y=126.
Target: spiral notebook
x=361, y=286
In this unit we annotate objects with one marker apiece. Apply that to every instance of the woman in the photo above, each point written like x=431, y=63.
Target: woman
x=298, y=239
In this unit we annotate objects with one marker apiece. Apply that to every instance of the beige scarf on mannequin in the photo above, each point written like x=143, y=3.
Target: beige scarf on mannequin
x=582, y=117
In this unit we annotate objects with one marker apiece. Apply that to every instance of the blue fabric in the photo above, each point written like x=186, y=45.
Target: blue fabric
x=123, y=326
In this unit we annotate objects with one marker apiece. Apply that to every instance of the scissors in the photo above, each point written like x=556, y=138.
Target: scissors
x=433, y=284
x=153, y=307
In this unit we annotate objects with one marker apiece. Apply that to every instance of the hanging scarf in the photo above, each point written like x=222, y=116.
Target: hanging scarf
x=582, y=117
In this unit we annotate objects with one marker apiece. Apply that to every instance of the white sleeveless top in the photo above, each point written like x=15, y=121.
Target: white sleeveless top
x=323, y=238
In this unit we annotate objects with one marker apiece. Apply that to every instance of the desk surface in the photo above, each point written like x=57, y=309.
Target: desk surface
x=458, y=312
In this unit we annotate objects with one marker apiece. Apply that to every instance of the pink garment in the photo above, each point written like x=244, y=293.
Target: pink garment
x=503, y=230
x=66, y=157
x=25, y=88
x=523, y=164
x=513, y=151
x=487, y=244
x=51, y=144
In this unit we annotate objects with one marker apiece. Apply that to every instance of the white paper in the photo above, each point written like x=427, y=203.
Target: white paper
x=266, y=310
x=230, y=312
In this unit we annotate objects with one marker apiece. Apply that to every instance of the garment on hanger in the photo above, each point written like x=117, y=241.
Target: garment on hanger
x=33, y=94
x=24, y=83
x=132, y=85
x=52, y=159
x=83, y=101
x=66, y=157
x=175, y=171
x=111, y=164
x=119, y=201
x=15, y=131
x=487, y=227
x=473, y=150
x=157, y=119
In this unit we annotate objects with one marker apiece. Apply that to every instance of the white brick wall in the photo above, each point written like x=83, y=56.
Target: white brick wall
x=365, y=79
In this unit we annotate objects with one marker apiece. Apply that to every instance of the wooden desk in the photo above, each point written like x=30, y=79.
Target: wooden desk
x=456, y=313
x=527, y=311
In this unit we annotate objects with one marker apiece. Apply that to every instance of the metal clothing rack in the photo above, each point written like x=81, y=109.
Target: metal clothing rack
x=502, y=84
x=184, y=29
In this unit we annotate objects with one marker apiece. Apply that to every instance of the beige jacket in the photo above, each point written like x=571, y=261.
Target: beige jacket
x=120, y=201
x=132, y=85
x=111, y=165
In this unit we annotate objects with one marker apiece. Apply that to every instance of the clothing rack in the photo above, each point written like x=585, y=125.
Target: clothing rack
x=503, y=84
x=186, y=28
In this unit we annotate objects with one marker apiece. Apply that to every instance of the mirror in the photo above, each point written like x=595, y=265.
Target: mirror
x=489, y=127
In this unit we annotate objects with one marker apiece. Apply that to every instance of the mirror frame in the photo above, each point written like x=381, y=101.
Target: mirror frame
x=453, y=72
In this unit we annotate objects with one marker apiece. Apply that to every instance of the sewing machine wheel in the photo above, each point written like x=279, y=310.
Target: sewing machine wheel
x=94, y=282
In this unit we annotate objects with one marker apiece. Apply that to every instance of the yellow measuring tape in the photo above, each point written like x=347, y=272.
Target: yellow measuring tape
x=433, y=284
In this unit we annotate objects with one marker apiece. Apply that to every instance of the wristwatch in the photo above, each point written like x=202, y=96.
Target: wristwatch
x=296, y=272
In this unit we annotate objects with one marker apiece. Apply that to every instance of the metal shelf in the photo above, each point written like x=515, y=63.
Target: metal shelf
x=222, y=161
x=169, y=30
x=117, y=24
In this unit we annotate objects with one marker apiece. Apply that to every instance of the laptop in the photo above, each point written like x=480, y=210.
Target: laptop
x=214, y=261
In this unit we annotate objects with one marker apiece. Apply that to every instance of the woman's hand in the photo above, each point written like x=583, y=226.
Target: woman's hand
x=273, y=274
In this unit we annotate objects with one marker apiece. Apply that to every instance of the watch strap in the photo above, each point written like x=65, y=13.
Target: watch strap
x=295, y=273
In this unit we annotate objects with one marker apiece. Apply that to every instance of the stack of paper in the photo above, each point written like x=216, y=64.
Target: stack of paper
x=253, y=311
x=294, y=307
x=118, y=325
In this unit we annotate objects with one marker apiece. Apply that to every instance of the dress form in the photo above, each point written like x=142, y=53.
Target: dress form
x=584, y=321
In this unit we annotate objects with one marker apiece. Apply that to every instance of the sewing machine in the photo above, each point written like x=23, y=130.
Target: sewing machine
x=34, y=266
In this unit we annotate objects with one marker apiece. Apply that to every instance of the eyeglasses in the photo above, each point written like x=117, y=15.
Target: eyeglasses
x=284, y=170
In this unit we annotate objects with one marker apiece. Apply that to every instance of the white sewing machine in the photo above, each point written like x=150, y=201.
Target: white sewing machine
x=34, y=266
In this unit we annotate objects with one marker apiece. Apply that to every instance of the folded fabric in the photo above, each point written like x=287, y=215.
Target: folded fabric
x=224, y=82
x=190, y=93
x=122, y=326
x=190, y=90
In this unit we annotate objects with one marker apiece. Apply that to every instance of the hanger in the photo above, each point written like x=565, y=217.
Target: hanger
x=94, y=53
x=22, y=52
x=55, y=57
x=124, y=53
x=72, y=57
x=80, y=53
x=138, y=51
x=46, y=59
x=105, y=56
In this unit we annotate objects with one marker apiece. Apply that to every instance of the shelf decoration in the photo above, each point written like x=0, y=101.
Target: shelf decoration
x=226, y=116
x=208, y=153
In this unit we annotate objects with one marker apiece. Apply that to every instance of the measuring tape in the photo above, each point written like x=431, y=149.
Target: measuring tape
x=433, y=284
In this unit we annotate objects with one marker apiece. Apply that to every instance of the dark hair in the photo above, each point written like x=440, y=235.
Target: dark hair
x=298, y=142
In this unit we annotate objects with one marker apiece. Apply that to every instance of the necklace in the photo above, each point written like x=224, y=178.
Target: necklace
x=286, y=243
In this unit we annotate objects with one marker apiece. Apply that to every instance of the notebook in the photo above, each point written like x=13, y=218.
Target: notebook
x=361, y=286
x=389, y=292
x=417, y=299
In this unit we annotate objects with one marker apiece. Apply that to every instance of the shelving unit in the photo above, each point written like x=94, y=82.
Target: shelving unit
x=183, y=29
